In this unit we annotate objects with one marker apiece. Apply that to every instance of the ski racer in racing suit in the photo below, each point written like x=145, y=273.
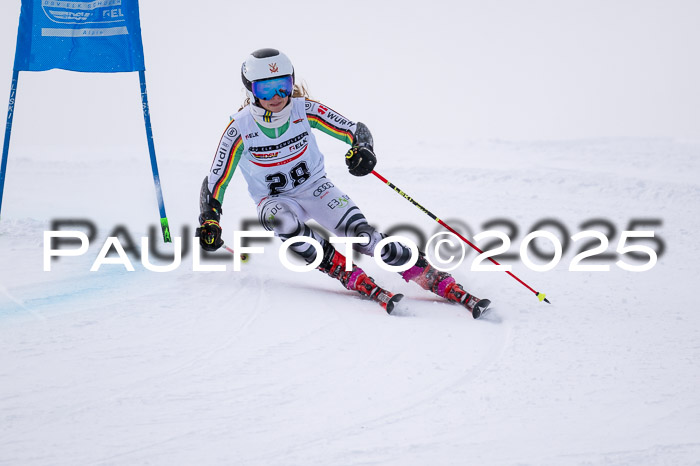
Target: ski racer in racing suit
x=271, y=140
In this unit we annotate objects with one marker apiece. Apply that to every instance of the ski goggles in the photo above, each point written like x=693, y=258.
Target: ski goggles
x=268, y=88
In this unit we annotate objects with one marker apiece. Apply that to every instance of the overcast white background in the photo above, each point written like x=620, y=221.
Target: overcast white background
x=523, y=70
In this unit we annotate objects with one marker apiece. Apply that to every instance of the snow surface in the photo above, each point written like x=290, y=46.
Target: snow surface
x=270, y=367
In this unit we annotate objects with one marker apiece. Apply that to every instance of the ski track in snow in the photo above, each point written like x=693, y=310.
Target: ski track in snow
x=266, y=366
x=406, y=410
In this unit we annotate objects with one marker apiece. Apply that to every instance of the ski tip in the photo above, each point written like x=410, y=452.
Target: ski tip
x=547, y=301
x=394, y=299
x=480, y=308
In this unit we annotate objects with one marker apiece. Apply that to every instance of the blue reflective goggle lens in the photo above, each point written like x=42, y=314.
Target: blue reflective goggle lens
x=269, y=88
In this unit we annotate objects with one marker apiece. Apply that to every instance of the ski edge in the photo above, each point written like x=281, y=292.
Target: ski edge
x=480, y=308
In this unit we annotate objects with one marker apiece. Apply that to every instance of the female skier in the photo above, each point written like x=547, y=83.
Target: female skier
x=271, y=139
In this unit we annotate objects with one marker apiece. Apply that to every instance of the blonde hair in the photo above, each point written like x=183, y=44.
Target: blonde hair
x=300, y=90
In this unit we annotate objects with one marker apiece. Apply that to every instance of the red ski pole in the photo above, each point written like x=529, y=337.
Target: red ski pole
x=244, y=256
x=540, y=296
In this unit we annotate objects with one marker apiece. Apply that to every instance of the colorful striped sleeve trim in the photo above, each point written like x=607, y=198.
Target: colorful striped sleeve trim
x=342, y=134
x=235, y=155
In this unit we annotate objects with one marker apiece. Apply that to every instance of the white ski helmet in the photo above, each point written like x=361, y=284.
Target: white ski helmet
x=264, y=64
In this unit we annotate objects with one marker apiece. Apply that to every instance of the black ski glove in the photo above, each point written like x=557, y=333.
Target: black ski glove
x=360, y=159
x=210, y=235
x=209, y=232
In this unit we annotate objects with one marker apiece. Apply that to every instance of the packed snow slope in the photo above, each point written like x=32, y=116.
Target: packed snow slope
x=269, y=366
x=266, y=366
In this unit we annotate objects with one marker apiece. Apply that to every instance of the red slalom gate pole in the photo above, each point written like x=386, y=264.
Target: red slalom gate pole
x=540, y=296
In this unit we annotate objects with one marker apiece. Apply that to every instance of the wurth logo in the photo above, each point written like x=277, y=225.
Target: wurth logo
x=338, y=119
x=273, y=68
x=322, y=110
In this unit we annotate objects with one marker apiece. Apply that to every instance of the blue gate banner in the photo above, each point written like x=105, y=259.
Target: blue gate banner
x=101, y=36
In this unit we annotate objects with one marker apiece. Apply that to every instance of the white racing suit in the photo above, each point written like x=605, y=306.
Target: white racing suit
x=286, y=178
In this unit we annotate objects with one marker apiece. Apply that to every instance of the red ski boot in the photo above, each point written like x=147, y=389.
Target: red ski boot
x=444, y=285
x=456, y=294
x=356, y=279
